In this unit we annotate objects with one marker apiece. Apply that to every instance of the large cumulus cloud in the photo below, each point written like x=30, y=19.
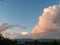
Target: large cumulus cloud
x=49, y=22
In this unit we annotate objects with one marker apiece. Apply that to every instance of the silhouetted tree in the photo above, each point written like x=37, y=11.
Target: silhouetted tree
x=35, y=42
x=15, y=41
x=55, y=43
x=5, y=41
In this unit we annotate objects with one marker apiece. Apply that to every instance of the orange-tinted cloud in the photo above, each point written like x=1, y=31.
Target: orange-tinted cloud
x=48, y=22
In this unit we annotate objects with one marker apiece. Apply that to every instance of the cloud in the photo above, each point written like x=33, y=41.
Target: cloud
x=5, y=26
x=49, y=22
x=15, y=35
x=24, y=33
x=48, y=26
x=12, y=36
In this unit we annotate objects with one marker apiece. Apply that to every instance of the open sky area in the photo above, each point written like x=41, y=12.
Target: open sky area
x=23, y=12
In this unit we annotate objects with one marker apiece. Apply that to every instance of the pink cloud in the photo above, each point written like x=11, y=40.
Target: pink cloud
x=48, y=22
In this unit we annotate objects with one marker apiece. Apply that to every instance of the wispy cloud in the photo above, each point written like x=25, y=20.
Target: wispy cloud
x=13, y=36
x=5, y=26
x=16, y=35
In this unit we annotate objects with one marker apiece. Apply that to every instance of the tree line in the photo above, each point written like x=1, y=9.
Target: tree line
x=6, y=41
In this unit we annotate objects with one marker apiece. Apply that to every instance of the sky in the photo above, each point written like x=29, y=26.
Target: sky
x=24, y=13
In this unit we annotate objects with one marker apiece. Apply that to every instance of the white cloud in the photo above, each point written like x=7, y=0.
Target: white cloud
x=24, y=33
